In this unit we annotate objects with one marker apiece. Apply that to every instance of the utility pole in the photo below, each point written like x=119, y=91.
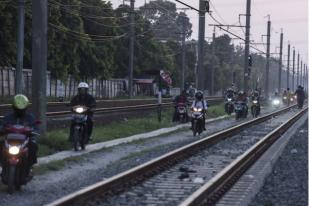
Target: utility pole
x=212, y=72
x=293, y=72
x=288, y=67
x=20, y=47
x=201, y=39
x=131, y=47
x=301, y=72
x=183, y=40
x=297, y=73
x=280, y=61
x=39, y=60
x=247, y=46
x=267, y=58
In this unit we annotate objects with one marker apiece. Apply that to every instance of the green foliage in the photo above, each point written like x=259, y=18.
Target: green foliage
x=88, y=38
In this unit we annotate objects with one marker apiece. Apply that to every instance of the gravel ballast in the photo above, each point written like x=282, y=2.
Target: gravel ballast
x=97, y=166
x=288, y=183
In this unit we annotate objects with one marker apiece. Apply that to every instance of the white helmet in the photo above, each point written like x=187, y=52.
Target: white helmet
x=83, y=85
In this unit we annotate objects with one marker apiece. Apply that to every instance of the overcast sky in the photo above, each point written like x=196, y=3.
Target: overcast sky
x=290, y=15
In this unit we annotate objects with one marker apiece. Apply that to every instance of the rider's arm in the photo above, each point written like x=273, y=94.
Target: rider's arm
x=205, y=104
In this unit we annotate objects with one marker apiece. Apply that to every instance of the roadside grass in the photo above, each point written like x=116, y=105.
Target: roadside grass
x=55, y=165
x=57, y=140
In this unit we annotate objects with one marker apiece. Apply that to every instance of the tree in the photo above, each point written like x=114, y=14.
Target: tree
x=165, y=20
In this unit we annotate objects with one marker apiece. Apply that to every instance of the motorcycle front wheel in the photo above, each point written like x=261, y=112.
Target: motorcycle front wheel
x=76, y=139
x=11, y=179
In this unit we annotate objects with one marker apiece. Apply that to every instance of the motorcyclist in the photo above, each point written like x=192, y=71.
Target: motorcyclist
x=201, y=103
x=276, y=95
x=256, y=96
x=229, y=94
x=242, y=97
x=180, y=99
x=87, y=100
x=300, y=96
x=289, y=95
x=22, y=117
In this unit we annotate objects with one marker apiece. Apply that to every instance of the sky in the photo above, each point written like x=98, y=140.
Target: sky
x=289, y=15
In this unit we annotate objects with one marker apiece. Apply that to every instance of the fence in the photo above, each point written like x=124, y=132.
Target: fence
x=99, y=88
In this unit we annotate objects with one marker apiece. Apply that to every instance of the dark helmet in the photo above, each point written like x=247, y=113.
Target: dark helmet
x=288, y=89
x=199, y=95
x=299, y=87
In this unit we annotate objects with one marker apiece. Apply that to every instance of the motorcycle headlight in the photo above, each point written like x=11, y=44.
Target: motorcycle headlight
x=291, y=99
x=79, y=110
x=229, y=99
x=284, y=97
x=255, y=101
x=295, y=97
x=14, y=150
x=276, y=102
x=197, y=109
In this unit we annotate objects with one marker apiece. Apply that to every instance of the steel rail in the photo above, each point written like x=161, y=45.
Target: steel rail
x=215, y=188
x=123, y=109
x=115, y=109
x=149, y=168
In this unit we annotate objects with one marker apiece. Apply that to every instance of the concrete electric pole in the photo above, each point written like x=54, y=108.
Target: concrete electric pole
x=20, y=47
x=183, y=58
x=201, y=39
x=247, y=46
x=267, y=59
x=212, y=73
x=293, y=72
x=39, y=60
x=131, y=47
x=280, y=62
x=297, y=72
x=288, y=67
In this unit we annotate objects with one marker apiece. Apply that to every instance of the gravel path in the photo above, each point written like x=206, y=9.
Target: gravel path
x=97, y=166
x=288, y=183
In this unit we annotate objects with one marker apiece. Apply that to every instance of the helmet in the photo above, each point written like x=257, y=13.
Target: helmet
x=83, y=85
x=199, y=95
x=241, y=93
x=20, y=102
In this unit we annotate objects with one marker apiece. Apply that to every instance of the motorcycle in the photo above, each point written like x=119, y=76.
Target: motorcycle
x=197, y=120
x=79, y=120
x=276, y=102
x=15, y=153
x=255, y=108
x=229, y=106
x=182, y=115
x=300, y=103
x=285, y=100
x=291, y=100
x=240, y=110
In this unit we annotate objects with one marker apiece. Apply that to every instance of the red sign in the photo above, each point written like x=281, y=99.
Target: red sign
x=166, y=76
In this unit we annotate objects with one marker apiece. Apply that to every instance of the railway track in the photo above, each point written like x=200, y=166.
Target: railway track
x=57, y=109
x=196, y=174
